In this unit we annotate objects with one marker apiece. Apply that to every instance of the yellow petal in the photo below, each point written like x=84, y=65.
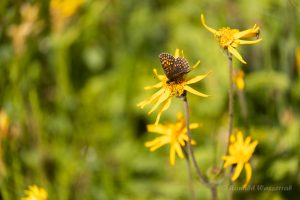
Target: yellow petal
x=240, y=139
x=177, y=53
x=172, y=155
x=154, y=142
x=181, y=140
x=179, y=150
x=158, y=85
x=240, y=84
x=207, y=27
x=193, y=91
x=160, y=129
x=232, y=138
x=164, y=108
x=232, y=149
x=161, y=99
x=193, y=142
x=179, y=116
x=182, y=54
x=197, y=78
x=185, y=137
x=160, y=144
x=248, y=170
x=196, y=65
x=194, y=125
x=229, y=160
x=152, y=98
x=249, y=33
x=237, y=171
x=159, y=77
x=252, y=146
x=234, y=52
x=247, y=140
x=249, y=41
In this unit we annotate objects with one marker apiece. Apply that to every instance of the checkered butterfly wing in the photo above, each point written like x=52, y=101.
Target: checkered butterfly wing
x=167, y=61
x=181, y=67
x=173, y=67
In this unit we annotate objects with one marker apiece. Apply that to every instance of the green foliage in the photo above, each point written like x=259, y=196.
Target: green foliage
x=71, y=98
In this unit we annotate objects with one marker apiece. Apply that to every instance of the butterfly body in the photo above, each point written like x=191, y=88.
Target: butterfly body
x=174, y=68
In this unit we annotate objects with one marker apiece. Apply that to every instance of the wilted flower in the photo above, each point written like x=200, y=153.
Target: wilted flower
x=173, y=134
x=238, y=79
x=229, y=39
x=169, y=89
x=30, y=25
x=35, y=193
x=240, y=152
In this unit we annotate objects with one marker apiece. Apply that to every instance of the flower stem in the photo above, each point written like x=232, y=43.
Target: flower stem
x=189, y=169
x=230, y=101
x=214, y=193
x=202, y=179
x=230, y=115
x=229, y=194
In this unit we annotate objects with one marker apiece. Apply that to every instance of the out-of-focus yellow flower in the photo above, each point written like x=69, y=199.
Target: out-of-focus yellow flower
x=4, y=124
x=238, y=79
x=30, y=25
x=35, y=193
x=229, y=39
x=173, y=134
x=240, y=152
x=62, y=10
x=169, y=89
x=298, y=59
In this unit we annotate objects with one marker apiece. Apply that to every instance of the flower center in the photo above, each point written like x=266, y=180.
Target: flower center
x=225, y=36
x=242, y=154
x=176, y=88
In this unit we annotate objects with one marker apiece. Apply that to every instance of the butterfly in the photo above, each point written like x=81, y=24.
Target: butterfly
x=174, y=68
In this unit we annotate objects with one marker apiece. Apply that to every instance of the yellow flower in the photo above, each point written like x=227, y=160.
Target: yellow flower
x=240, y=152
x=238, y=79
x=35, y=193
x=4, y=124
x=169, y=89
x=62, y=10
x=297, y=53
x=173, y=134
x=229, y=39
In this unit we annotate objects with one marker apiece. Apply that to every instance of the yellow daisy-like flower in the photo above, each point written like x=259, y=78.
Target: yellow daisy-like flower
x=62, y=10
x=35, y=193
x=240, y=152
x=238, y=79
x=229, y=39
x=169, y=89
x=173, y=134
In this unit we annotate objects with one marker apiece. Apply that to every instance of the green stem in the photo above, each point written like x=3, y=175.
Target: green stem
x=214, y=192
x=230, y=102
x=189, y=169
x=230, y=115
x=202, y=179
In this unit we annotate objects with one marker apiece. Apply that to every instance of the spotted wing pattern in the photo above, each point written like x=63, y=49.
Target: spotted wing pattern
x=167, y=61
x=181, y=67
x=173, y=67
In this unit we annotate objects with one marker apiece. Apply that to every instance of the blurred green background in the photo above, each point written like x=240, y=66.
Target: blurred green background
x=70, y=84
